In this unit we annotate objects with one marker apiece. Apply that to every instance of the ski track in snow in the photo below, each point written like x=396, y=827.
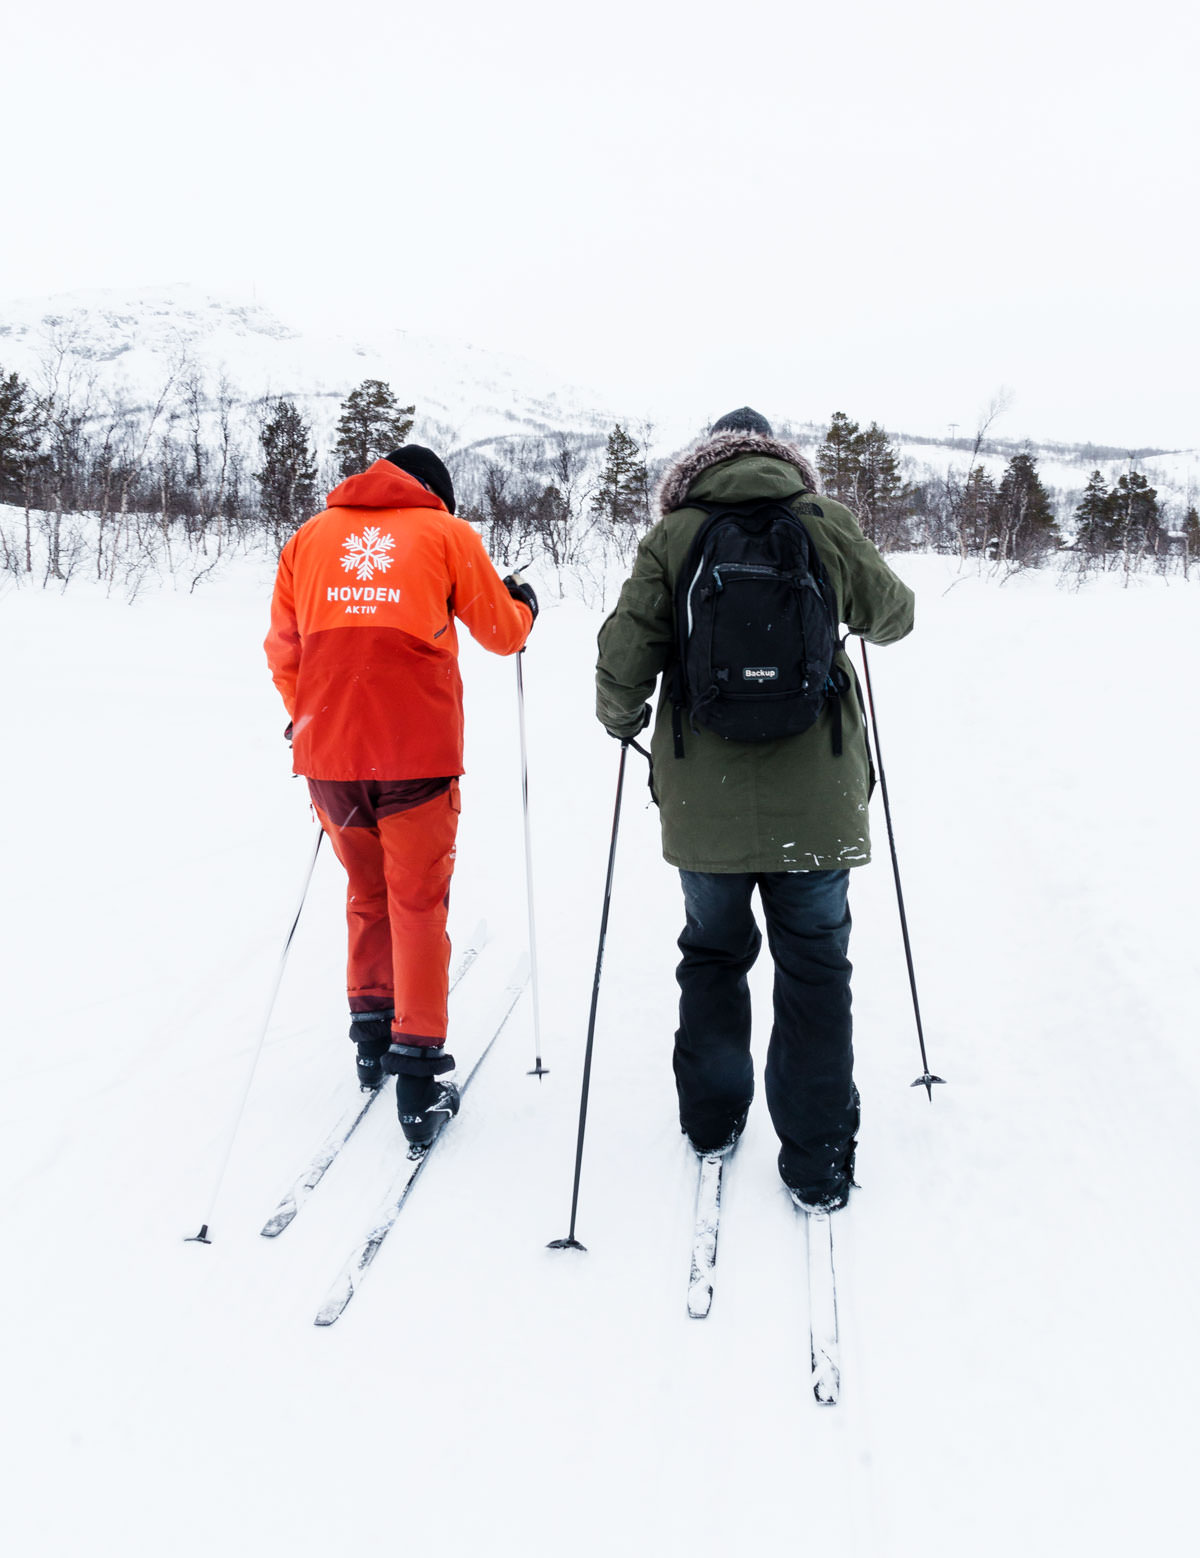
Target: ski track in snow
x=1016, y=1275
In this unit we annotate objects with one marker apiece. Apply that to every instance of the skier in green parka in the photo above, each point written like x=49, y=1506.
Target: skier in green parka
x=787, y=816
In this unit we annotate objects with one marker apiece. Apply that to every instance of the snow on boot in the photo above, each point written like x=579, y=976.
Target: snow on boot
x=372, y=1033
x=827, y=1194
x=717, y=1142
x=829, y=1197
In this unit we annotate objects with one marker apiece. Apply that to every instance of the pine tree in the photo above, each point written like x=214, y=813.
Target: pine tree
x=974, y=506
x=1024, y=517
x=862, y=470
x=370, y=426
x=621, y=500
x=1136, y=517
x=1094, y=517
x=288, y=479
x=18, y=434
x=839, y=460
x=880, y=490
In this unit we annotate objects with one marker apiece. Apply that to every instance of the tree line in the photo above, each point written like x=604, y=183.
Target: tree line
x=117, y=488
x=120, y=489
x=1011, y=522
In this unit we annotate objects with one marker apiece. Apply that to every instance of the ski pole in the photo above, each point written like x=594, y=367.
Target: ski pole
x=571, y=1242
x=202, y=1237
x=539, y=1070
x=926, y=1079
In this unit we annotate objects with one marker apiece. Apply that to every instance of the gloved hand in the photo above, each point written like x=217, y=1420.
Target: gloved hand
x=287, y=735
x=521, y=591
x=628, y=735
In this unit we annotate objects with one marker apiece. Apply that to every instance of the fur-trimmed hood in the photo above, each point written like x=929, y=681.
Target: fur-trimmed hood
x=671, y=492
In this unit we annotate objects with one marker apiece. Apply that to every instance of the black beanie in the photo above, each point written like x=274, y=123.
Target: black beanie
x=427, y=468
x=743, y=421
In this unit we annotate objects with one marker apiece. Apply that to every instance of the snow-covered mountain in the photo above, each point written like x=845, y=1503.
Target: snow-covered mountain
x=132, y=341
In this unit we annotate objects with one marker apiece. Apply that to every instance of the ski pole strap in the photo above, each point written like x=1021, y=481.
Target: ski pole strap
x=678, y=697
x=835, y=698
x=839, y=686
x=637, y=747
x=872, y=777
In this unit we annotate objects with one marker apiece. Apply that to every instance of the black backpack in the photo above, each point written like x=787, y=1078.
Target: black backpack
x=756, y=621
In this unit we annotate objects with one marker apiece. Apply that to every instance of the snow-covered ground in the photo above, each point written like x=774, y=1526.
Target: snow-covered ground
x=1017, y=1274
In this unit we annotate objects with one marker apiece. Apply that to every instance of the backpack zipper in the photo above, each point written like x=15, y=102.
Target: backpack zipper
x=760, y=570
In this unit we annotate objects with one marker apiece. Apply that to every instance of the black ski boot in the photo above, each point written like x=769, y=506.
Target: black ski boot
x=372, y=1033
x=829, y=1193
x=718, y=1140
x=424, y=1102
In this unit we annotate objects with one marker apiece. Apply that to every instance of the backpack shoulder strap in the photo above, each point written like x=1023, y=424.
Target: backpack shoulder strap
x=838, y=683
x=815, y=511
x=713, y=512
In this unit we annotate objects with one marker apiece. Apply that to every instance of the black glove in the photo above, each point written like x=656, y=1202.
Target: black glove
x=287, y=735
x=521, y=591
x=628, y=735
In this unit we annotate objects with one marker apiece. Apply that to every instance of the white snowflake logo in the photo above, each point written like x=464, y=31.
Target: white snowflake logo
x=367, y=552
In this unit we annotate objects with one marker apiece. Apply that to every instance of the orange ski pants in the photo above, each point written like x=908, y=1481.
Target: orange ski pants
x=398, y=863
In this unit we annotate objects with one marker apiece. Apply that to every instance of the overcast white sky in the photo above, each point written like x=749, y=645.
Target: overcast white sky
x=892, y=209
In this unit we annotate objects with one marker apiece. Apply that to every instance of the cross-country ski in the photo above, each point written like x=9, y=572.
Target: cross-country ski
x=358, y=1262
x=824, y=1349
x=704, y=1235
x=352, y=1118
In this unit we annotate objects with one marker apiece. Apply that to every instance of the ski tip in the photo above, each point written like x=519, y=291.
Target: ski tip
x=279, y=1219
x=700, y=1300
x=335, y=1304
x=519, y=977
x=566, y=1244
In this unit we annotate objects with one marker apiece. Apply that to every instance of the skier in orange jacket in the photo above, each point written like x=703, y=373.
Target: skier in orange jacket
x=364, y=651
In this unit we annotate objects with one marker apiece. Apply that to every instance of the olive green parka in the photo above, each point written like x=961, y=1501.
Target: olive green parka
x=787, y=805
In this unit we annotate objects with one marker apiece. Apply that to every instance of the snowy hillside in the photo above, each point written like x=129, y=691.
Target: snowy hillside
x=133, y=340
x=1017, y=1273
x=1063, y=468
x=464, y=394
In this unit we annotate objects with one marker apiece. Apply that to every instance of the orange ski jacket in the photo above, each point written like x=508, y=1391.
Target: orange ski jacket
x=362, y=644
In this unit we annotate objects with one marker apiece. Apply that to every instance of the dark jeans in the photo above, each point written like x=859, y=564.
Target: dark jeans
x=809, y=1074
